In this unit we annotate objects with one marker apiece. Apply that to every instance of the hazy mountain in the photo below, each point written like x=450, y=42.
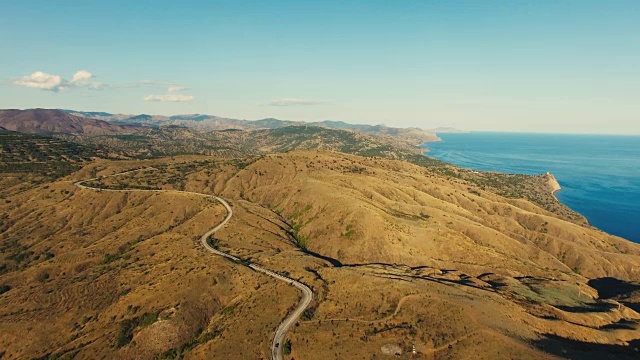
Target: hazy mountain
x=47, y=121
x=192, y=117
x=446, y=129
x=91, y=114
x=340, y=125
x=206, y=122
x=141, y=117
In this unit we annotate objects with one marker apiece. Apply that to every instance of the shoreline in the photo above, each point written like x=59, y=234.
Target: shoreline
x=552, y=184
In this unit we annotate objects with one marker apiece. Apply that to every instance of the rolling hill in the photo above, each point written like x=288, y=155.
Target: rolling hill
x=403, y=253
x=47, y=121
x=398, y=256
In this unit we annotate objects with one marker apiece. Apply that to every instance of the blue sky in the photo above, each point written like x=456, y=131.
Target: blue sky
x=545, y=66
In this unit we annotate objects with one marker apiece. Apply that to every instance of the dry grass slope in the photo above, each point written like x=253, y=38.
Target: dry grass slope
x=398, y=255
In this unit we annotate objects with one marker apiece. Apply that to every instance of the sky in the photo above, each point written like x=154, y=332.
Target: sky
x=534, y=66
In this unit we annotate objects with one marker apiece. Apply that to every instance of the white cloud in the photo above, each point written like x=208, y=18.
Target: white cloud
x=176, y=88
x=86, y=79
x=41, y=80
x=44, y=81
x=81, y=78
x=294, y=102
x=169, y=98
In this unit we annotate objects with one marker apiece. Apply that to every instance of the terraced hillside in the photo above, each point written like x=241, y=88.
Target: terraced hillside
x=30, y=158
x=230, y=143
x=164, y=141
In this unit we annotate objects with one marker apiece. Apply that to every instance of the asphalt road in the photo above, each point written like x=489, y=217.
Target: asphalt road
x=307, y=294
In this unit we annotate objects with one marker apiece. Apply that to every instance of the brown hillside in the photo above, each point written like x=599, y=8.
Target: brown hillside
x=396, y=254
x=47, y=121
x=361, y=210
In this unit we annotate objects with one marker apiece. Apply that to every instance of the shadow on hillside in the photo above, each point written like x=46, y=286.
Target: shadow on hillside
x=334, y=262
x=573, y=349
x=588, y=308
x=621, y=291
x=625, y=324
x=609, y=287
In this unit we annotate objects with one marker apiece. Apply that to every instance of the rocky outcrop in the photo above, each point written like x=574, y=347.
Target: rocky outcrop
x=554, y=185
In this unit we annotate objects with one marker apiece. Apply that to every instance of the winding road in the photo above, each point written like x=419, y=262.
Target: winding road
x=307, y=294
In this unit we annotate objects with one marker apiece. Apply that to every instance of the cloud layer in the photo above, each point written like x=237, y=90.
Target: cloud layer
x=294, y=102
x=85, y=79
x=40, y=80
x=169, y=98
x=43, y=81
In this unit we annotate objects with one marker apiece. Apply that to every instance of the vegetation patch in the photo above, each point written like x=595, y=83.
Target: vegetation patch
x=128, y=326
x=286, y=348
x=350, y=232
x=47, y=157
x=179, y=351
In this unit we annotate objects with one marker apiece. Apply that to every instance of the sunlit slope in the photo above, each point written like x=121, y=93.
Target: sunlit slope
x=397, y=256
x=362, y=210
x=102, y=274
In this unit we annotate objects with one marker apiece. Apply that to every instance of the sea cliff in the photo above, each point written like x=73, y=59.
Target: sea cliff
x=552, y=182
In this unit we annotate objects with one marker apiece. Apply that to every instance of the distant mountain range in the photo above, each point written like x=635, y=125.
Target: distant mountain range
x=205, y=122
x=92, y=123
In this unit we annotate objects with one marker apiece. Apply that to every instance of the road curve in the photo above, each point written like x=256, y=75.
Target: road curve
x=307, y=294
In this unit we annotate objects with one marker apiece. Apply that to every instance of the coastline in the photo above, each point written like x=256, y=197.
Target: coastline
x=592, y=192
x=553, y=184
x=423, y=146
x=547, y=182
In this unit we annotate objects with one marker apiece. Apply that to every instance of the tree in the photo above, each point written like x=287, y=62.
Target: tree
x=286, y=349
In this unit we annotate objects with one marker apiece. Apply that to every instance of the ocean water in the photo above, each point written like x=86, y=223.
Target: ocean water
x=599, y=174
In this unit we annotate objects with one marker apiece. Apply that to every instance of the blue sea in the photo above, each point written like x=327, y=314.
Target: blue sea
x=599, y=174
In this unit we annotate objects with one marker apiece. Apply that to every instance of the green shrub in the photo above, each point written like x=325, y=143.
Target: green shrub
x=125, y=332
x=286, y=348
x=108, y=258
x=350, y=231
x=127, y=326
